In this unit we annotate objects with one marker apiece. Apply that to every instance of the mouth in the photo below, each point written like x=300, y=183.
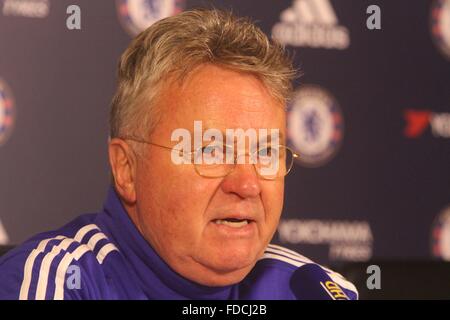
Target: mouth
x=233, y=222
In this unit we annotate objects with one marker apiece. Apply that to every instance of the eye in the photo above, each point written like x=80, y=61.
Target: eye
x=213, y=150
x=267, y=151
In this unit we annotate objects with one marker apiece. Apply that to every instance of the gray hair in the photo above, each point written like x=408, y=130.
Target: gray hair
x=174, y=46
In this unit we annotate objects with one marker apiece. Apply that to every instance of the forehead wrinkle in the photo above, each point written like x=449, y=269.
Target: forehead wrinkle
x=251, y=107
x=249, y=94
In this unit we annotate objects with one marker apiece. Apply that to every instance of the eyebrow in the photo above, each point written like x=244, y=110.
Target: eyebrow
x=281, y=135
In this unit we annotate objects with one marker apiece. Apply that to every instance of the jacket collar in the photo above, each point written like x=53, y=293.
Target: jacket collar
x=153, y=272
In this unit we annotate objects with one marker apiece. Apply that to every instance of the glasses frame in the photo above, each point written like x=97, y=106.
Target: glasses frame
x=294, y=156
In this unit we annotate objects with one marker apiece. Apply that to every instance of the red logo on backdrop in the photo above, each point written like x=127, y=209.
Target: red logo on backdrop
x=419, y=120
x=416, y=122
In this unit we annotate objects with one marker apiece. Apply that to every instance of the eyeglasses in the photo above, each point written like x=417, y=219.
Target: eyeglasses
x=219, y=160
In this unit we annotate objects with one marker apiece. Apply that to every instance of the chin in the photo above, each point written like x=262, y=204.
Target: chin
x=231, y=267
x=215, y=279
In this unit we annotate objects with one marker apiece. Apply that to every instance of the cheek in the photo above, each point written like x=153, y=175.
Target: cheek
x=183, y=217
x=187, y=195
x=174, y=200
x=272, y=197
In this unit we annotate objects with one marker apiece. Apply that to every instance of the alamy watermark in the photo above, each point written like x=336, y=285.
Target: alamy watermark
x=374, y=279
x=73, y=281
x=214, y=146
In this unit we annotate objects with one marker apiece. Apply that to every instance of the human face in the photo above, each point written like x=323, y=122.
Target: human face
x=176, y=209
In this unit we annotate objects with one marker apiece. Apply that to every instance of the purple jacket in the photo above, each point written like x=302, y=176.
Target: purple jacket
x=113, y=261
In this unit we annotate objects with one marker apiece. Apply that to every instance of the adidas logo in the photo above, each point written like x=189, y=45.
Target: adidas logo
x=311, y=23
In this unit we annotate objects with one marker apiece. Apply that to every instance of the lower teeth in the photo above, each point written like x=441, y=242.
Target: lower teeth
x=232, y=224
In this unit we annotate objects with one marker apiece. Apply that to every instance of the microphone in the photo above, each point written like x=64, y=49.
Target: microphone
x=311, y=282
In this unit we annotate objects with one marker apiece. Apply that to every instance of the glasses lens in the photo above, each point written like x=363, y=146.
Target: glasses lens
x=214, y=160
x=271, y=162
x=274, y=162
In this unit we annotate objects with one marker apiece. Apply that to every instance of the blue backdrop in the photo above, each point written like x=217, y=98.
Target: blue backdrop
x=371, y=116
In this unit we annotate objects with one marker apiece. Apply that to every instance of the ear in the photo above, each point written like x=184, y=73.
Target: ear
x=122, y=159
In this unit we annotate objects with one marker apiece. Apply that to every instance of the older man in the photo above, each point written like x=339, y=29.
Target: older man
x=198, y=158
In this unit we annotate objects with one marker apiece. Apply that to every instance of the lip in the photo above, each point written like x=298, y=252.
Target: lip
x=239, y=216
x=246, y=231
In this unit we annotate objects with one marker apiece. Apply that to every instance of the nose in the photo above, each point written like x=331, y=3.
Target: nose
x=243, y=181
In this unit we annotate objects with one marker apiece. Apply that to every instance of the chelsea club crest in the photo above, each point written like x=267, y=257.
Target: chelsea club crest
x=315, y=125
x=138, y=15
x=7, y=112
